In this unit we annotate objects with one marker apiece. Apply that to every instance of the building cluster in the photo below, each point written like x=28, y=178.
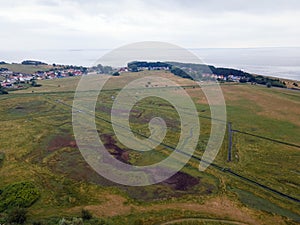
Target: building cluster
x=10, y=79
x=230, y=78
x=58, y=73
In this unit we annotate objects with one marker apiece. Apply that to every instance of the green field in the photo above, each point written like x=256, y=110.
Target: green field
x=28, y=69
x=38, y=148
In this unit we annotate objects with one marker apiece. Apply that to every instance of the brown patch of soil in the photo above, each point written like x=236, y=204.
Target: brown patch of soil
x=60, y=142
x=219, y=207
x=181, y=181
x=116, y=151
x=113, y=206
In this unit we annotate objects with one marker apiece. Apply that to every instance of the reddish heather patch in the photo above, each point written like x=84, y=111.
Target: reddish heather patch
x=119, y=153
x=60, y=142
x=181, y=181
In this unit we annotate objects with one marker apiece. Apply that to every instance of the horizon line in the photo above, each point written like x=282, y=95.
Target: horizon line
x=110, y=49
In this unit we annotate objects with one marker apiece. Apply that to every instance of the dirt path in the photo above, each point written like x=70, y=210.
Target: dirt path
x=219, y=207
x=202, y=220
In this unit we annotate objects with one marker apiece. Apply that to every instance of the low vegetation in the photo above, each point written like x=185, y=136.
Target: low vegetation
x=17, y=216
x=22, y=194
x=2, y=156
x=42, y=170
x=3, y=91
x=27, y=69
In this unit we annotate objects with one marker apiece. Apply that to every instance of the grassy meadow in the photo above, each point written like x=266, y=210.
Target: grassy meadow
x=27, y=69
x=38, y=147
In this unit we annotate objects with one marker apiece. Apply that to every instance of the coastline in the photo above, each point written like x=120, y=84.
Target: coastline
x=289, y=82
x=280, y=62
x=25, y=73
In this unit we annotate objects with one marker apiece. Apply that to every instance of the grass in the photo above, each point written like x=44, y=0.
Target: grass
x=259, y=203
x=201, y=222
x=27, y=69
x=36, y=138
x=22, y=194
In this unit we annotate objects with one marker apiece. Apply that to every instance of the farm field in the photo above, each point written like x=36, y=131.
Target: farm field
x=260, y=185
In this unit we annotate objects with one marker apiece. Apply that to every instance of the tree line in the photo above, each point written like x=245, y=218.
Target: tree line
x=202, y=72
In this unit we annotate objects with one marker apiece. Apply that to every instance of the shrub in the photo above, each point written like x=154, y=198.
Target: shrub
x=3, y=92
x=86, y=215
x=243, y=80
x=22, y=194
x=138, y=222
x=2, y=156
x=17, y=216
x=35, y=84
x=277, y=83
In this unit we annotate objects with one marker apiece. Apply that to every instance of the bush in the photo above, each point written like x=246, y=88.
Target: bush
x=22, y=194
x=138, y=222
x=86, y=215
x=35, y=84
x=277, y=83
x=3, y=92
x=2, y=156
x=17, y=216
x=243, y=80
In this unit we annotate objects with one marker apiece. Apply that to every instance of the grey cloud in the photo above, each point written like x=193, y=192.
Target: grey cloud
x=204, y=6
x=215, y=7
x=188, y=22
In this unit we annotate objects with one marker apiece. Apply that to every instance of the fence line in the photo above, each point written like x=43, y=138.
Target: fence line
x=267, y=138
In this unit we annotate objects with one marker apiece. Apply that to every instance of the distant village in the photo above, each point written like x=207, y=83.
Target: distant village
x=15, y=80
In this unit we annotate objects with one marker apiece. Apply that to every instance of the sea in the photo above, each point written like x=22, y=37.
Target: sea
x=281, y=62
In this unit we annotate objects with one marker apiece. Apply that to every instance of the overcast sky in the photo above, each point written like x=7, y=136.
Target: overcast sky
x=89, y=24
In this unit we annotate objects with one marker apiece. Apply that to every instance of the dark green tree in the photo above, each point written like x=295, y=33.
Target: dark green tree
x=33, y=83
x=3, y=91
